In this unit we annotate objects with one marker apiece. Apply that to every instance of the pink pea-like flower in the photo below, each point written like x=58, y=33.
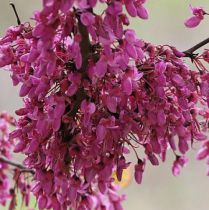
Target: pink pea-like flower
x=130, y=7
x=142, y=12
x=139, y=169
x=203, y=152
x=206, y=56
x=115, y=8
x=180, y=162
x=87, y=19
x=198, y=16
x=42, y=202
x=6, y=56
x=88, y=109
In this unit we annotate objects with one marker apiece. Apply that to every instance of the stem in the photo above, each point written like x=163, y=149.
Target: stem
x=84, y=46
x=17, y=165
x=190, y=52
x=15, y=11
x=85, y=51
x=80, y=96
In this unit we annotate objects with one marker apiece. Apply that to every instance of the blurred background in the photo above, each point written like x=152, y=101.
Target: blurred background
x=159, y=190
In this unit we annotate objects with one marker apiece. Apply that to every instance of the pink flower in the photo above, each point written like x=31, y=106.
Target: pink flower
x=206, y=56
x=66, y=5
x=127, y=86
x=136, y=8
x=6, y=56
x=75, y=52
x=130, y=36
x=88, y=109
x=115, y=8
x=100, y=68
x=193, y=21
x=198, y=16
x=130, y=79
x=100, y=132
x=130, y=7
x=161, y=117
x=87, y=18
x=42, y=202
x=139, y=169
x=142, y=12
x=75, y=80
x=122, y=164
x=180, y=162
x=203, y=152
x=111, y=103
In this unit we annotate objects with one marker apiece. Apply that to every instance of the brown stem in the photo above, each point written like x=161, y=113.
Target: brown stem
x=84, y=46
x=190, y=52
x=16, y=14
x=85, y=51
x=17, y=165
x=80, y=96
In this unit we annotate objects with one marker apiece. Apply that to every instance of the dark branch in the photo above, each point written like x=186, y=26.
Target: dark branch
x=15, y=11
x=190, y=52
x=85, y=47
x=17, y=165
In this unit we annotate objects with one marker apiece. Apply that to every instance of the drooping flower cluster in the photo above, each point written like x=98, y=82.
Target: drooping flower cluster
x=10, y=172
x=92, y=90
x=5, y=152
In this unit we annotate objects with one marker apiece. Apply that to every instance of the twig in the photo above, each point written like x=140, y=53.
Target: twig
x=15, y=11
x=85, y=51
x=17, y=165
x=84, y=46
x=190, y=52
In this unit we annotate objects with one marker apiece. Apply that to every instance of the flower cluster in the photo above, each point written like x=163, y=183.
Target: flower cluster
x=92, y=92
x=7, y=191
x=5, y=152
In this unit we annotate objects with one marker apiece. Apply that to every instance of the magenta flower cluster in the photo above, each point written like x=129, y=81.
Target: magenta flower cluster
x=92, y=93
x=5, y=152
x=11, y=178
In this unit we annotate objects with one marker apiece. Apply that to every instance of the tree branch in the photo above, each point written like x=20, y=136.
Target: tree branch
x=85, y=46
x=190, y=52
x=16, y=14
x=17, y=165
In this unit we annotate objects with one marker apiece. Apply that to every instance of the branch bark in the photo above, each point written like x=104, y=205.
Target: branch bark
x=16, y=165
x=190, y=52
x=16, y=14
x=84, y=46
x=85, y=51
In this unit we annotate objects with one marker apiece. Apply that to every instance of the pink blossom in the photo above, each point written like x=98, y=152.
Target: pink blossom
x=42, y=202
x=100, y=132
x=111, y=104
x=100, y=68
x=179, y=163
x=139, y=169
x=88, y=109
x=142, y=12
x=115, y=8
x=198, y=16
x=87, y=19
x=131, y=8
x=6, y=56
x=75, y=80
